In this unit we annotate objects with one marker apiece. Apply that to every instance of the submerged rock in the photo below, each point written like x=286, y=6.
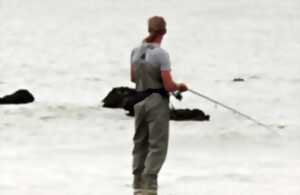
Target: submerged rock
x=116, y=97
x=22, y=96
x=188, y=114
x=238, y=80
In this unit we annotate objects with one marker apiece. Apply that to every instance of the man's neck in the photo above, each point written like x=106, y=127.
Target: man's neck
x=158, y=40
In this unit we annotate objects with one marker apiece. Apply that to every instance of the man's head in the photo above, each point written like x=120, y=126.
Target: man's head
x=157, y=25
x=156, y=28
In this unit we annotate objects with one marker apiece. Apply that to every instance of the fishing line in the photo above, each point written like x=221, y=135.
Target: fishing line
x=231, y=109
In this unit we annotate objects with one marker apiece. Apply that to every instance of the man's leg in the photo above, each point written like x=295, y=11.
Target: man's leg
x=140, y=149
x=158, y=120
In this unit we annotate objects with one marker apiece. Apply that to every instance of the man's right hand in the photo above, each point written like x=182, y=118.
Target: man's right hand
x=182, y=87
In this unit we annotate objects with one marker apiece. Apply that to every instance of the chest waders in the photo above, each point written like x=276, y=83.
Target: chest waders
x=151, y=125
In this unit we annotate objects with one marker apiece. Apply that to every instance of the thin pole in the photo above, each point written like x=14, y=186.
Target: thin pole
x=229, y=108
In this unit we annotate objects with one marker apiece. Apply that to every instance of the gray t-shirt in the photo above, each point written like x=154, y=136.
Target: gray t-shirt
x=156, y=55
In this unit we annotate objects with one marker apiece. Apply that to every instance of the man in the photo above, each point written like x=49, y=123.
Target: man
x=151, y=72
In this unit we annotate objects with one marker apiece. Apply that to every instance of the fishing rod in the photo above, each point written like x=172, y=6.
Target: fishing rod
x=230, y=108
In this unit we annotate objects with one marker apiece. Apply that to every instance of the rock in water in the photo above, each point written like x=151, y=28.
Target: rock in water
x=188, y=114
x=238, y=80
x=22, y=96
x=117, y=96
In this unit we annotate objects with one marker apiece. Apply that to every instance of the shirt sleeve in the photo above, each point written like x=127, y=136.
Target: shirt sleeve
x=164, y=60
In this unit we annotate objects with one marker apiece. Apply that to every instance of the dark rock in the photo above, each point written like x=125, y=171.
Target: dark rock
x=120, y=97
x=124, y=97
x=187, y=114
x=22, y=96
x=238, y=80
x=117, y=96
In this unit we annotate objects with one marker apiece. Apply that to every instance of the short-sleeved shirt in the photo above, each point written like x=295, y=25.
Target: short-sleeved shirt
x=157, y=55
x=149, y=60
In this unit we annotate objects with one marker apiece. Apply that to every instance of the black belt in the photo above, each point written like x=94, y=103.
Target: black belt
x=141, y=95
